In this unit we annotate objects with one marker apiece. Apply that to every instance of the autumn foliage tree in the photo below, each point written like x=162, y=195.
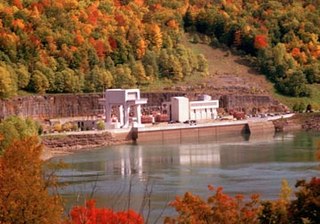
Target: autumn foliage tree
x=24, y=194
x=218, y=208
x=93, y=215
x=81, y=35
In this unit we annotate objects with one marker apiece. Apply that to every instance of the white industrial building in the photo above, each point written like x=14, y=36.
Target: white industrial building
x=123, y=108
x=181, y=109
x=123, y=100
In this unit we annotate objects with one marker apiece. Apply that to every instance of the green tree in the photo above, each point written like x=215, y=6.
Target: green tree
x=7, y=84
x=72, y=82
x=23, y=76
x=294, y=85
x=98, y=79
x=140, y=73
x=150, y=62
x=15, y=128
x=123, y=77
x=203, y=64
x=49, y=74
x=39, y=82
x=312, y=73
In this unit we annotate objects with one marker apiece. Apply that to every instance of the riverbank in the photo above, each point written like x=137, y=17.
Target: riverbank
x=300, y=121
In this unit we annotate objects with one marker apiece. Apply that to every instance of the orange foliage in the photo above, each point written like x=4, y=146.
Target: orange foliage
x=87, y=29
x=141, y=48
x=295, y=52
x=172, y=23
x=58, y=3
x=79, y=39
x=139, y=2
x=8, y=10
x=44, y=57
x=316, y=52
x=73, y=48
x=260, y=41
x=18, y=23
x=117, y=3
x=91, y=215
x=24, y=196
x=93, y=14
x=219, y=208
x=46, y=3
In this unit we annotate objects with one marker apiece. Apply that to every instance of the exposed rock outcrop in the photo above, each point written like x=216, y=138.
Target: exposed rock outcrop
x=74, y=105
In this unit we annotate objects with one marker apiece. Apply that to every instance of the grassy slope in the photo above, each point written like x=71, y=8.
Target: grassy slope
x=231, y=74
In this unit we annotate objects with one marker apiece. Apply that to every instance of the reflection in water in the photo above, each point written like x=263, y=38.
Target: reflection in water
x=199, y=154
x=255, y=165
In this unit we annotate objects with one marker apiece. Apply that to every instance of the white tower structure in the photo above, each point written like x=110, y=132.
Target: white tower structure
x=180, y=108
x=123, y=99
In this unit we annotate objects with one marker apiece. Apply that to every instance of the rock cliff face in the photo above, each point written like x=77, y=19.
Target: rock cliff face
x=71, y=105
x=251, y=103
x=52, y=106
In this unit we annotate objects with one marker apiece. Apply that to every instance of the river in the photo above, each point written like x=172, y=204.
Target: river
x=125, y=176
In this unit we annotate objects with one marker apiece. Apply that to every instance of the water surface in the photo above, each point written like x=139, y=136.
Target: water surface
x=126, y=175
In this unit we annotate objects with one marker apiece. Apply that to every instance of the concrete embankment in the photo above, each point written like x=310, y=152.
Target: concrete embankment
x=192, y=133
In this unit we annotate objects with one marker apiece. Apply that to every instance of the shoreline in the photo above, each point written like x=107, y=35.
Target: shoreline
x=60, y=144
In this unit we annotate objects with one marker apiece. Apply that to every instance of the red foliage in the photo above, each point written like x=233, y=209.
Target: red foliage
x=100, y=48
x=35, y=40
x=89, y=214
x=260, y=41
x=120, y=20
x=113, y=43
x=18, y=4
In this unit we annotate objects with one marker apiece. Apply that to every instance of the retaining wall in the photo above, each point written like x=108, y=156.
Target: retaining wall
x=192, y=134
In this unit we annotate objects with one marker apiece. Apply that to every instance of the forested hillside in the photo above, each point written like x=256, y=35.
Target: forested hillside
x=85, y=46
x=59, y=46
x=282, y=35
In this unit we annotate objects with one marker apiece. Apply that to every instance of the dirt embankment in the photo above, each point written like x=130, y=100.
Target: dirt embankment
x=228, y=74
x=310, y=121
